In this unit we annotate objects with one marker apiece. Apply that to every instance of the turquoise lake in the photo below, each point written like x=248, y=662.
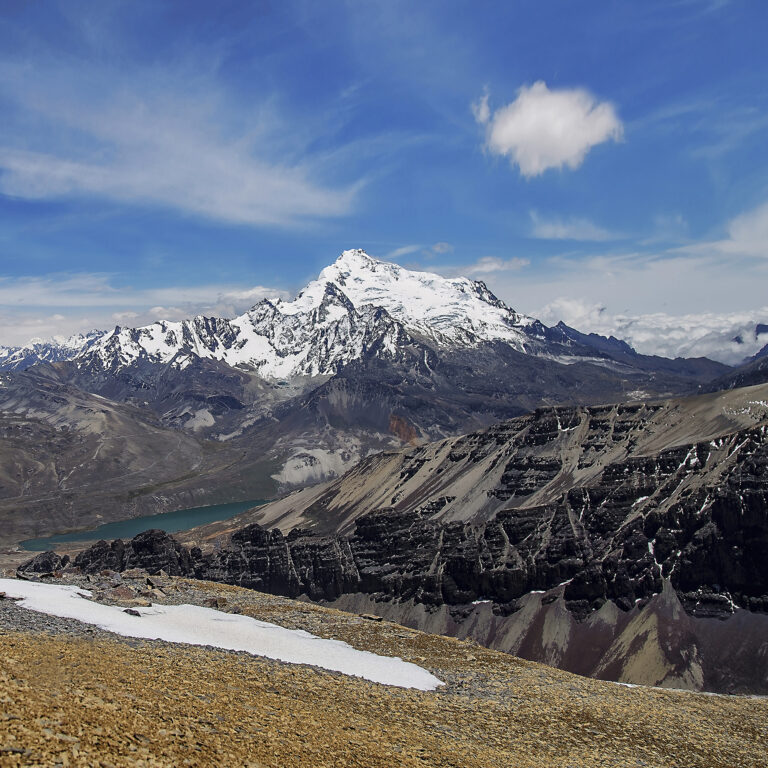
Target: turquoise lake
x=180, y=520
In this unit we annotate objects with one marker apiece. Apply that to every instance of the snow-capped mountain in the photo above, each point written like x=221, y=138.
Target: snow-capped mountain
x=51, y=350
x=367, y=357
x=458, y=312
x=356, y=304
x=358, y=309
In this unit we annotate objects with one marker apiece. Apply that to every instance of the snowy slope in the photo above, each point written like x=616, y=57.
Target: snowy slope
x=356, y=304
x=458, y=311
x=276, y=344
x=206, y=626
x=47, y=350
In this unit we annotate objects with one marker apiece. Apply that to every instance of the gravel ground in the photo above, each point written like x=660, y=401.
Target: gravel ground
x=71, y=694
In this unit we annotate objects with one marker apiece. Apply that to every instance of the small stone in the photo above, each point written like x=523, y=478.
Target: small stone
x=140, y=602
x=123, y=592
x=131, y=611
x=135, y=573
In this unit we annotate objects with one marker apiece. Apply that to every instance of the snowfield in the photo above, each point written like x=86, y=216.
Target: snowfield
x=206, y=626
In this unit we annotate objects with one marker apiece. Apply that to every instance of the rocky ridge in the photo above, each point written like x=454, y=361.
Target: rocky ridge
x=609, y=512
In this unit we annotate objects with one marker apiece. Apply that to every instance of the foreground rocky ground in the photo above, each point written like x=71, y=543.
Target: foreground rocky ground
x=73, y=695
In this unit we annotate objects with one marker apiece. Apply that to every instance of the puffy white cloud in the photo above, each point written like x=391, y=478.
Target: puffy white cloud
x=727, y=337
x=543, y=128
x=567, y=229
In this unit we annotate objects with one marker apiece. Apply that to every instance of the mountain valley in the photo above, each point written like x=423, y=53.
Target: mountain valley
x=441, y=460
x=624, y=542
x=370, y=356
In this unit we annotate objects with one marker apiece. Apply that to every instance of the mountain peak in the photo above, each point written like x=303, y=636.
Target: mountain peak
x=355, y=257
x=448, y=310
x=329, y=323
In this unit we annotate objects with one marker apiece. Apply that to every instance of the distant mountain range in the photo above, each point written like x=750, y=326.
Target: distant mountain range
x=367, y=357
x=357, y=305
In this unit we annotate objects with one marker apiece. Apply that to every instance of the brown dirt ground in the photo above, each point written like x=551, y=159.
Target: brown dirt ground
x=74, y=701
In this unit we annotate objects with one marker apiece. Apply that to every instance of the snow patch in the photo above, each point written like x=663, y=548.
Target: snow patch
x=311, y=465
x=200, y=419
x=194, y=625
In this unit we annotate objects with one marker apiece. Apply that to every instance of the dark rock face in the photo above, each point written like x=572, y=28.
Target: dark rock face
x=152, y=550
x=46, y=562
x=754, y=371
x=711, y=544
x=622, y=557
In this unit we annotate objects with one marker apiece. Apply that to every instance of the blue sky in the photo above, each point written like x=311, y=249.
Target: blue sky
x=602, y=162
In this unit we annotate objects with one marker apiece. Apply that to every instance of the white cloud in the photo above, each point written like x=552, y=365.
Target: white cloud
x=747, y=236
x=749, y=232
x=489, y=264
x=429, y=251
x=124, y=318
x=727, y=337
x=669, y=304
x=94, y=301
x=481, y=110
x=545, y=128
x=567, y=229
x=404, y=250
x=161, y=138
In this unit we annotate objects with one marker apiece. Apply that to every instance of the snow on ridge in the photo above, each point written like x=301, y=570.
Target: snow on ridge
x=448, y=310
x=194, y=625
x=48, y=350
x=355, y=302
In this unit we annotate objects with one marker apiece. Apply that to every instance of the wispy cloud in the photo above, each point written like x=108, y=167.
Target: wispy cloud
x=490, y=264
x=404, y=250
x=426, y=251
x=543, y=128
x=102, y=290
x=161, y=137
x=747, y=236
x=56, y=304
x=573, y=228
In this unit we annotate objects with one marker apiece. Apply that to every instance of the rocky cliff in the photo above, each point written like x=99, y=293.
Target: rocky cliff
x=597, y=559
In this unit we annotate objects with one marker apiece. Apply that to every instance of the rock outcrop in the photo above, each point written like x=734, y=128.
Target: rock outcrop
x=608, y=541
x=530, y=534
